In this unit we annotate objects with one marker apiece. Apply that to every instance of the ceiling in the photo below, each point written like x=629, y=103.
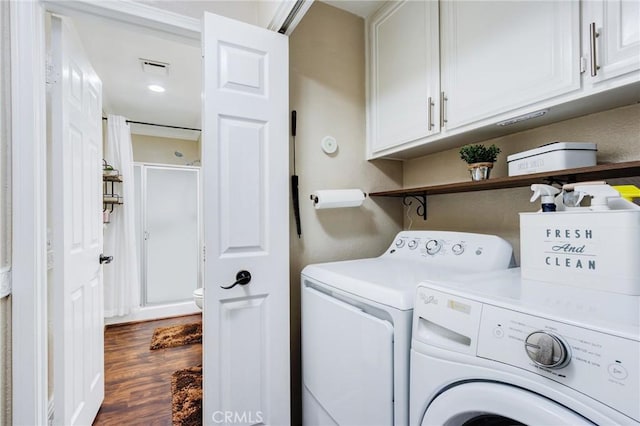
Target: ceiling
x=361, y=8
x=115, y=50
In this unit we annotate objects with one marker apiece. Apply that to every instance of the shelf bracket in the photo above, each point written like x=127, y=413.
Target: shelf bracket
x=559, y=181
x=421, y=209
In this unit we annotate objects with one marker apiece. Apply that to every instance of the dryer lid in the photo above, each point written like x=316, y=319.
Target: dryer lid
x=390, y=282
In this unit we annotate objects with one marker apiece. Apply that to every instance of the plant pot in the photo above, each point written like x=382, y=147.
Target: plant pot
x=480, y=171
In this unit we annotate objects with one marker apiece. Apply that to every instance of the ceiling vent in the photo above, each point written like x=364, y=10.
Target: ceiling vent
x=154, y=67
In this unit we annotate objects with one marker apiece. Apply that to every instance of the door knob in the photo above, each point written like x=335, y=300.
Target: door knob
x=105, y=259
x=242, y=278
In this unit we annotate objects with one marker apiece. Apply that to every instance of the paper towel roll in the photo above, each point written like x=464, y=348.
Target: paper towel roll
x=336, y=198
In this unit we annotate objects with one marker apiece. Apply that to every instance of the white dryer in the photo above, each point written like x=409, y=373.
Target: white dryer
x=356, y=323
x=493, y=349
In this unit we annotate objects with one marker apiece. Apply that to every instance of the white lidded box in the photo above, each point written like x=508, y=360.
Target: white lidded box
x=553, y=156
x=597, y=250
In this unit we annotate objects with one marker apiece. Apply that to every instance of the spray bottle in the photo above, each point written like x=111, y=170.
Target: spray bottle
x=571, y=198
x=628, y=192
x=599, y=194
x=547, y=194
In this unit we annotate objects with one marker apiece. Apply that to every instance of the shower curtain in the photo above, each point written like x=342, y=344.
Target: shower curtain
x=121, y=278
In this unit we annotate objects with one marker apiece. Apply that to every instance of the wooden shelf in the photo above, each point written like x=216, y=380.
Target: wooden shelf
x=112, y=178
x=583, y=174
x=599, y=172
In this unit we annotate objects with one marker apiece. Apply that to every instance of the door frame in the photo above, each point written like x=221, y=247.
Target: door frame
x=30, y=399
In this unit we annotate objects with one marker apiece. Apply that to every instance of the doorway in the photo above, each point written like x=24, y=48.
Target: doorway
x=119, y=55
x=153, y=79
x=30, y=348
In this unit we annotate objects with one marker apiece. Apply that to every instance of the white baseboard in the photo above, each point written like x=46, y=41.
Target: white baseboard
x=156, y=312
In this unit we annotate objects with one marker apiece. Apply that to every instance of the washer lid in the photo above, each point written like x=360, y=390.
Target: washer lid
x=463, y=403
x=615, y=313
x=390, y=282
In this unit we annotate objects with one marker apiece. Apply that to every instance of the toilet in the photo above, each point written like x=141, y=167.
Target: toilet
x=198, y=297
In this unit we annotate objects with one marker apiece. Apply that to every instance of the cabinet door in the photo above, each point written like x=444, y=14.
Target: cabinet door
x=616, y=41
x=404, y=74
x=498, y=56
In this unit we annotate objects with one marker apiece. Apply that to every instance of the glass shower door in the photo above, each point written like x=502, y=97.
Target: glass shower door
x=172, y=238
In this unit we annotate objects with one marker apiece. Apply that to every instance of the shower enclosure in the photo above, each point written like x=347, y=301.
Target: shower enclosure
x=168, y=231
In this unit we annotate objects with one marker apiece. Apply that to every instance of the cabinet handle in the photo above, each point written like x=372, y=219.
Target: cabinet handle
x=430, y=114
x=443, y=118
x=593, y=34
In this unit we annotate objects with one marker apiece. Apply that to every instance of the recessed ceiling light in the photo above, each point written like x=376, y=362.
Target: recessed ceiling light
x=156, y=88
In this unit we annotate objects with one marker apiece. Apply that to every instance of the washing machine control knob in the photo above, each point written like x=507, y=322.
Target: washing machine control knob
x=547, y=350
x=399, y=243
x=457, y=249
x=412, y=244
x=433, y=246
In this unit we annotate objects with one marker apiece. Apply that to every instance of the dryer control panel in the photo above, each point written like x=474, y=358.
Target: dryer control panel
x=461, y=250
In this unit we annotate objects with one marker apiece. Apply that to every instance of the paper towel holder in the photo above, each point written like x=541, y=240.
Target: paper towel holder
x=314, y=198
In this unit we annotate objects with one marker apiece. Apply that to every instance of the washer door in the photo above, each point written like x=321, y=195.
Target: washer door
x=495, y=404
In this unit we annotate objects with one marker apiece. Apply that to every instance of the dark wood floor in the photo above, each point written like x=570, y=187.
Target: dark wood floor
x=137, y=379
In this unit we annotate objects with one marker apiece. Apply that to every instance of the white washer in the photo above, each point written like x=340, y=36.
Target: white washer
x=356, y=323
x=493, y=349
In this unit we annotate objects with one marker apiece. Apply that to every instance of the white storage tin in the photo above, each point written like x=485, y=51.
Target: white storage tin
x=553, y=156
x=597, y=250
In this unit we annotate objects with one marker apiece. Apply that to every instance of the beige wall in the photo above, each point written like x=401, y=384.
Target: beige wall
x=615, y=132
x=154, y=149
x=327, y=90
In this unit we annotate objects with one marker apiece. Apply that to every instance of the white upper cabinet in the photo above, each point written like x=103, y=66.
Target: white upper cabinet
x=404, y=74
x=445, y=73
x=498, y=56
x=611, y=39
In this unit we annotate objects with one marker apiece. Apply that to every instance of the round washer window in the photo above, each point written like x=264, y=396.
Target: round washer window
x=496, y=404
x=491, y=420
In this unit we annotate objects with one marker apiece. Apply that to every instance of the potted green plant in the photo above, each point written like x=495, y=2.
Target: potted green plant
x=480, y=159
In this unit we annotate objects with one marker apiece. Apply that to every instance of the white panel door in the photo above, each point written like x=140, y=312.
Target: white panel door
x=611, y=31
x=405, y=73
x=498, y=56
x=76, y=223
x=245, y=169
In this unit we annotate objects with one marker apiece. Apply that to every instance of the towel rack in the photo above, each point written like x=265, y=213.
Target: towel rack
x=109, y=177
